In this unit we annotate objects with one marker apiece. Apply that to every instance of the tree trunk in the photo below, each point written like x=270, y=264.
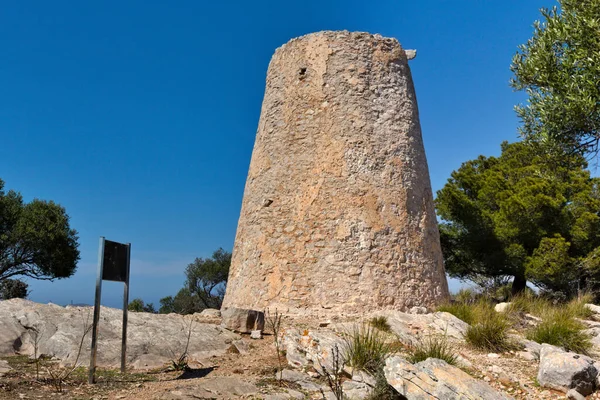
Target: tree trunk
x=519, y=284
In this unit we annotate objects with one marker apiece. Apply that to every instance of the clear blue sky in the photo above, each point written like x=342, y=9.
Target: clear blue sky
x=139, y=117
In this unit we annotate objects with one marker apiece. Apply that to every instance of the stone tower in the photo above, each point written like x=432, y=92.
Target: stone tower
x=338, y=211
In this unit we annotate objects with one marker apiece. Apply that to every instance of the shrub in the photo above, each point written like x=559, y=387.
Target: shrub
x=489, y=331
x=433, y=347
x=559, y=328
x=380, y=323
x=366, y=348
x=461, y=311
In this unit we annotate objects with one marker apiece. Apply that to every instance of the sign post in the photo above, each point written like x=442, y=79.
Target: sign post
x=113, y=265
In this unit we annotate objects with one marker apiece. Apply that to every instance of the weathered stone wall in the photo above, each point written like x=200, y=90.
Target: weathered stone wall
x=338, y=210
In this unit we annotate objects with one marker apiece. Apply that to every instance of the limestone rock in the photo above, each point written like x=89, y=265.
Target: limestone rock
x=364, y=377
x=211, y=313
x=594, y=334
x=410, y=54
x=338, y=210
x=575, y=395
x=436, y=379
x=152, y=339
x=501, y=307
x=310, y=348
x=356, y=390
x=4, y=367
x=290, y=394
x=410, y=327
x=418, y=310
x=289, y=375
x=562, y=371
x=240, y=346
x=594, y=308
x=256, y=334
x=217, y=387
x=242, y=320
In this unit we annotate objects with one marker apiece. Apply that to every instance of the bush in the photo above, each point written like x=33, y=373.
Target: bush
x=13, y=288
x=461, y=311
x=559, y=328
x=490, y=329
x=433, y=347
x=366, y=348
x=380, y=323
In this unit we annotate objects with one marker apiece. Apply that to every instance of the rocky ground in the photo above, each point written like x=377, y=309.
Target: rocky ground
x=228, y=365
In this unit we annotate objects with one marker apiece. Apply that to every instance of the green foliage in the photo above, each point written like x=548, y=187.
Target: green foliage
x=489, y=332
x=525, y=215
x=183, y=303
x=366, y=348
x=139, y=306
x=528, y=303
x=462, y=311
x=204, y=286
x=35, y=239
x=559, y=328
x=13, y=288
x=433, y=347
x=466, y=296
x=577, y=307
x=381, y=323
x=206, y=278
x=559, y=69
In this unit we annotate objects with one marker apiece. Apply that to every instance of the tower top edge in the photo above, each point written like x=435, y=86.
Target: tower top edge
x=341, y=35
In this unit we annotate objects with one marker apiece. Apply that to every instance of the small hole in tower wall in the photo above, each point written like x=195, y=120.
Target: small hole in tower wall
x=302, y=72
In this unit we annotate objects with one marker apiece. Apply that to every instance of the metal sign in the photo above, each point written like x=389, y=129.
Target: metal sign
x=113, y=265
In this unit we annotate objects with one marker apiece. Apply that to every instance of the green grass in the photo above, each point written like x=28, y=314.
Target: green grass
x=433, y=347
x=560, y=328
x=380, y=323
x=466, y=296
x=577, y=308
x=489, y=331
x=366, y=348
x=461, y=311
x=528, y=303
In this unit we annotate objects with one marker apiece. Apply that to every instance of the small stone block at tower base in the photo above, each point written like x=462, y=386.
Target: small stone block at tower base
x=338, y=210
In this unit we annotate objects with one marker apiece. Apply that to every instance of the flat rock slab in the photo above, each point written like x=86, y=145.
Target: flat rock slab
x=217, y=387
x=152, y=339
x=436, y=379
x=411, y=327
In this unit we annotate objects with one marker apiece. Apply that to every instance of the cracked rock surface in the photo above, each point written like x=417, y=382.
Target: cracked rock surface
x=436, y=379
x=152, y=339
